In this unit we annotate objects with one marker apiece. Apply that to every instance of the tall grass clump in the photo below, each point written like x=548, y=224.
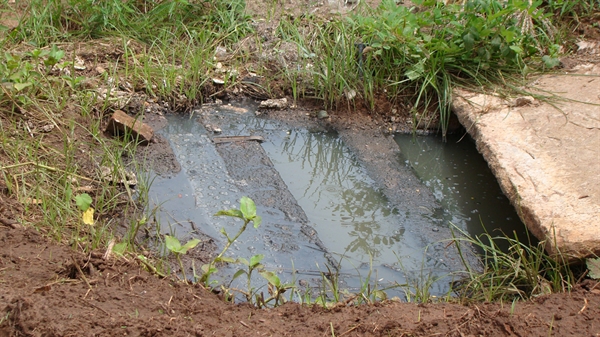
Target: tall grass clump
x=574, y=10
x=51, y=21
x=417, y=54
x=178, y=38
x=521, y=272
x=431, y=50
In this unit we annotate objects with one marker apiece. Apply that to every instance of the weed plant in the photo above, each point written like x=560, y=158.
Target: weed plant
x=420, y=52
x=522, y=272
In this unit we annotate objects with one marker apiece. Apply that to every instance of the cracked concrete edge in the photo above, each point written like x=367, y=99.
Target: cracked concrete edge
x=574, y=234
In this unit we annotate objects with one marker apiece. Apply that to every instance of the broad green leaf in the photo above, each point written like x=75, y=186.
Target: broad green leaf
x=248, y=208
x=469, y=41
x=207, y=269
x=257, y=220
x=238, y=274
x=172, y=243
x=550, y=61
x=189, y=245
x=83, y=201
x=593, y=266
x=271, y=278
x=227, y=259
x=54, y=56
x=231, y=212
x=21, y=86
x=88, y=216
x=256, y=259
x=516, y=49
x=415, y=71
x=120, y=248
x=243, y=261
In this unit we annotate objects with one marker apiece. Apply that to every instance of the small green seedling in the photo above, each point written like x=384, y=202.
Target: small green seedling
x=252, y=265
x=247, y=212
x=276, y=290
x=176, y=248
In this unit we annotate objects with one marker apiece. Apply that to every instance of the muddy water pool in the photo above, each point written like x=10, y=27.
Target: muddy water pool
x=319, y=205
x=462, y=182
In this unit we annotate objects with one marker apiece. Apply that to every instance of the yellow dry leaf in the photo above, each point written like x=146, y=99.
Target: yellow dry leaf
x=88, y=216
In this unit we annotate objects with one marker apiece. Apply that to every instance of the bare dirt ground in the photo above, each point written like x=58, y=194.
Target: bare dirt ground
x=48, y=289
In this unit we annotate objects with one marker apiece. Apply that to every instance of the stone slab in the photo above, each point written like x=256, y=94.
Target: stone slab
x=546, y=158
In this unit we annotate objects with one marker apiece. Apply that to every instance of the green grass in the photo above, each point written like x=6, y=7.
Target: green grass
x=522, y=272
x=413, y=56
x=416, y=56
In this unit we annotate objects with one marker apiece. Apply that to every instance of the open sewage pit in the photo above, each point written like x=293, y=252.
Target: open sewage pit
x=377, y=210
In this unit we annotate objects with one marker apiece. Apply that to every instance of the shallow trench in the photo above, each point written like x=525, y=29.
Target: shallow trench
x=344, y=202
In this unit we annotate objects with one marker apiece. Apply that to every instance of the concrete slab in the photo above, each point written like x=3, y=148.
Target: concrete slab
x=546, y=158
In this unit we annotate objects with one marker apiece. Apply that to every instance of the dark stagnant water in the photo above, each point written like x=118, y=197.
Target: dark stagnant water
x=320, y=208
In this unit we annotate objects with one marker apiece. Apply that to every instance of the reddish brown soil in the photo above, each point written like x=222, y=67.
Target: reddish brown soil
x=44, y=293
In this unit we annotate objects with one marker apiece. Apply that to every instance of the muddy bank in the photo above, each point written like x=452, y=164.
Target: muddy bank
x=42, y=293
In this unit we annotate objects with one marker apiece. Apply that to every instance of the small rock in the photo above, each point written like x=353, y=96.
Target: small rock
x=235, y=109
x=79, y=64
x=322, y=114
x=587, y=47
x=47, y=128
x=120, y=123
x=280, y=103
x=218, y=81
x=221, y=53
x=212, y=129
x=123, y=177
x=522, y=101
x=350, y=94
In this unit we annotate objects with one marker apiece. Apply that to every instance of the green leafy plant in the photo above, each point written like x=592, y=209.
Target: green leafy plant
x=175, y=247
x=247, y=213
x=251, y=265
x=276, y=290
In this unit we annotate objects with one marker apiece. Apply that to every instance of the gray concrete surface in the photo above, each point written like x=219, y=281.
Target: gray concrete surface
x=546, y=158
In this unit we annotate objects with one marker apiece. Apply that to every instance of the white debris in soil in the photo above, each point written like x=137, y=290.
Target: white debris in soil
x=280, y=103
